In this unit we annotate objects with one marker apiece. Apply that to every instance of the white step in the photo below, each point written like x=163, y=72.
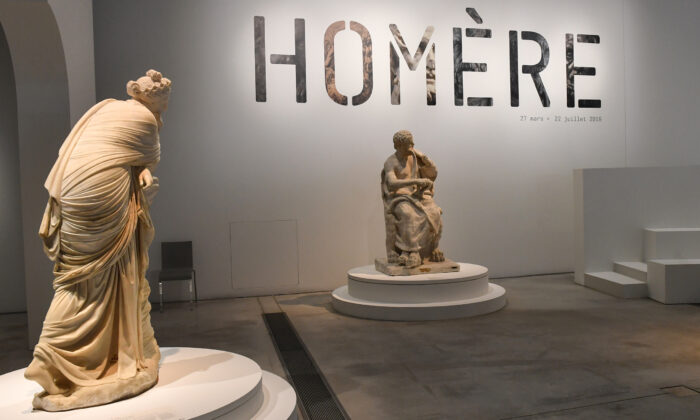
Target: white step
x=674, y=280
x=679, y=243
x=635, y=269
x=617, y=284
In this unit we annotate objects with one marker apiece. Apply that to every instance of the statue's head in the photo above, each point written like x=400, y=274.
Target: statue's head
x=403, y=140
x=152, y=90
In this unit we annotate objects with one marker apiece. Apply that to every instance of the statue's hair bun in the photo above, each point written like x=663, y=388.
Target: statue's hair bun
x=155, y=75
x=152, y=84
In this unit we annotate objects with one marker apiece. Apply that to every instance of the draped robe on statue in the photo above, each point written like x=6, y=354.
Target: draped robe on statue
x=97, y=343
x=413, y=219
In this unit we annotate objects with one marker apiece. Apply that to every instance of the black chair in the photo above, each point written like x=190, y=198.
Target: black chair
x=176, y=263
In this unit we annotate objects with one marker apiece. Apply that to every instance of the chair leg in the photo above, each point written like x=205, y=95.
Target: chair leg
x=194, y=280
x=191, y=292
x=160, y=293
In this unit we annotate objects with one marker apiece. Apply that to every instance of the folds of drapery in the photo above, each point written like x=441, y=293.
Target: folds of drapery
x=92, y=189
x=97, y=229
x=413, y=225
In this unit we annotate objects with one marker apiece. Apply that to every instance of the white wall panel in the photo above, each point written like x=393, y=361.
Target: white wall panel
x=661, y=61
x=617, y=204
x=505, y=185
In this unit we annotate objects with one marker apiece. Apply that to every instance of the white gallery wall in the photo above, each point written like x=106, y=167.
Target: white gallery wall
x=74, y=19
x=305, y=176
x=615, y=205
x=662, y=93
x=280, y=196
x=11, y=255
x=659, y=187
x=38, y=64
x=50, y=45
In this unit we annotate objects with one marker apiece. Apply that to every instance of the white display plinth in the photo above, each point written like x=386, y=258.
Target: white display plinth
x=674, y=281
x=192, y=383
x=374, y=295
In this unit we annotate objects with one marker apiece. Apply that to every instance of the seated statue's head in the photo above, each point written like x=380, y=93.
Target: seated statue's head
x=403, y=141
x=153, y=91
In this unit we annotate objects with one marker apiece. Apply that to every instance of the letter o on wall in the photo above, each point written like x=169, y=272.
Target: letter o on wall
x=329, y=62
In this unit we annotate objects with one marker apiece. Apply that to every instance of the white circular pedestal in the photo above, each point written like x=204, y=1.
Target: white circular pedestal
x=374, y=295
x=192, y=383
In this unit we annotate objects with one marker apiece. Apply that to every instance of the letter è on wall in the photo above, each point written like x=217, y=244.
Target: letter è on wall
x=298, y=60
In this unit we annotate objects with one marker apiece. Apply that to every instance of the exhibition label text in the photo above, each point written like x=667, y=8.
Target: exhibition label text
x=298, y=60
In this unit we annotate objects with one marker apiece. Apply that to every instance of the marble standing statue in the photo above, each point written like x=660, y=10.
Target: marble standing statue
x=97, y=343
x=413, y=219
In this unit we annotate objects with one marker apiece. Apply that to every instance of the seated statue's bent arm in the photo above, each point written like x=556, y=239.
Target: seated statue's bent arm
x=427, y=167
x=393, y=183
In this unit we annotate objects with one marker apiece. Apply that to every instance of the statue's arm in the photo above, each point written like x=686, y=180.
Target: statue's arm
x=393, y=183
x=145, y=177
x=427, y=167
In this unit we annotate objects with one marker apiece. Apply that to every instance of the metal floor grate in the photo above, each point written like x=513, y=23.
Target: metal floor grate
x=317, y=400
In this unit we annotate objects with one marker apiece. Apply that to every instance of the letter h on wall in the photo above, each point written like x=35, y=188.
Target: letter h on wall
x=298, y=59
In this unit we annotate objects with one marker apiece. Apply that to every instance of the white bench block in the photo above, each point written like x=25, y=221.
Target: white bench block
x=674, y=280
x=617, y=285
x=635, y=269
x=678, y=243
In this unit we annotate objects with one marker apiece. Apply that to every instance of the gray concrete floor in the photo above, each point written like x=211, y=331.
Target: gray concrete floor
x=557, y=351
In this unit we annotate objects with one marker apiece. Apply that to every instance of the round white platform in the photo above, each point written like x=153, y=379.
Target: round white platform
x=192, y=383
x=374, y=295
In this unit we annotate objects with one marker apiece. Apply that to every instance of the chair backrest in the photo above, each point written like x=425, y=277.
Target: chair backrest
x=176, y=254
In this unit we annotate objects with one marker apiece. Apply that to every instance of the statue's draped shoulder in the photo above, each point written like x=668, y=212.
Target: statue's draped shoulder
x=120, y=132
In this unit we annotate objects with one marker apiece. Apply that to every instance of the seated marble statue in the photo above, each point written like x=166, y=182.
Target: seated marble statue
x=97, y=343
x=413, y=220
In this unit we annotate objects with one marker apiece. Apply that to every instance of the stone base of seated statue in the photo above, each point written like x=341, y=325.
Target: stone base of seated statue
x=425, y=297
x=383, y=266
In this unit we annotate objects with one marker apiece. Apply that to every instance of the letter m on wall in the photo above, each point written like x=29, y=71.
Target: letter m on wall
x=412, y=62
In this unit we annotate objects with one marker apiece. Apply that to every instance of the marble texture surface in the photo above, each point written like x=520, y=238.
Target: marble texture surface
x=97, y=344
x=412, y=218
